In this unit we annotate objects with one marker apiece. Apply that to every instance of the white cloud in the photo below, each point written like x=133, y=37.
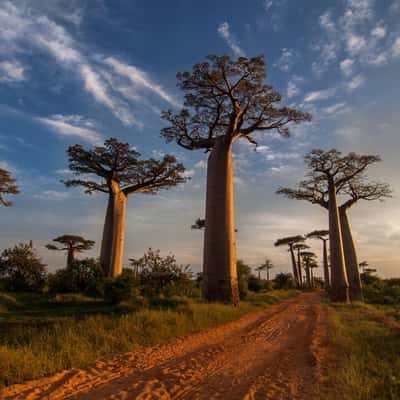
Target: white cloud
x=355, y=43
x=11, y=71
x=396, y=48
x=335, y=109
x=326, y=22
x=200, y=164
x=53, y=195
x=346, y=66
x=72, y=126
x=139, y=78
x=225, y=33
x=319, y=95
x=379, y=32
x=292, y=89
x=286, y=60
x=189, y=173
x=355, y=83
x=268, y=5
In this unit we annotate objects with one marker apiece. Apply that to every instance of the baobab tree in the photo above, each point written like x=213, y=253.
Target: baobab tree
x=200, y=224
x=290, y=241
x=330, y=174
x=72, y=244
x=7, y=187
x=309, y=262
x=266, y=266
x=323, y=236
x=119, y=173
x=299, y=247
x=224, y=100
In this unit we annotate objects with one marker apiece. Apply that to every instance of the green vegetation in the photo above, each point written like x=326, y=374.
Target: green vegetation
x=365, y=347
x=32, y=350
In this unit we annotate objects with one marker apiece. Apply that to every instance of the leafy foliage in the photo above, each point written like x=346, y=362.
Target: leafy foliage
x=21, y=269
x=7, y=186
x=71, y=242
x=284, y=281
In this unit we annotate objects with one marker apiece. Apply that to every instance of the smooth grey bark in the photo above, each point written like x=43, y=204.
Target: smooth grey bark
x=350, y=254
x=325, y=261
x=219, y=264
x=112, y=245
x=339, y=283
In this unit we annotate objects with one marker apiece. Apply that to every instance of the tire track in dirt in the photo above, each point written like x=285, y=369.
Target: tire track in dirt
x=271, y=354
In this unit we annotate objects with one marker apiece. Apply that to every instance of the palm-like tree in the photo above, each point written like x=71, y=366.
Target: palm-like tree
x=323, y=235
x=299, y=247
x=291, y=241
x=308, y=258
x=266, y=266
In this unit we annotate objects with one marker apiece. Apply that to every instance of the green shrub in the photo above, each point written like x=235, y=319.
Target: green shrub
x=284, y=281
x=123, y=288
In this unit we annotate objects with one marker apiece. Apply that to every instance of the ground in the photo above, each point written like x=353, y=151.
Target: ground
x=276, y=353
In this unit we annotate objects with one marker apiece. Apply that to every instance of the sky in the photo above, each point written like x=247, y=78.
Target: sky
x=81, y=71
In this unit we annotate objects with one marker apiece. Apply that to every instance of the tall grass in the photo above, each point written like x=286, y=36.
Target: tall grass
x=30, y=352
x=366, y=362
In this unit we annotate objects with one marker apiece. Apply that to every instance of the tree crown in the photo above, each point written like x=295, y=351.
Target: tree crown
x=120, y=170
x=7, y=186
x=289, y=241
x=73, y=242
x=318, y=234
x=225, y=97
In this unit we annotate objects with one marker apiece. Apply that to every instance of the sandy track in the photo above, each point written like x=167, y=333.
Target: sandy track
x=271, y=354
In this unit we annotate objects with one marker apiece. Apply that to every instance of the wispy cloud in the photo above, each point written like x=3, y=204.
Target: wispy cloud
x=320, y=95
x=72, y=126
x=11, y=71
x=346, y=66
x=355, y=83
x=286, y=60
x=225, y=33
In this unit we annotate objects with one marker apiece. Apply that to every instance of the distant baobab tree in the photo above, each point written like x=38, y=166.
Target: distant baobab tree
x=7, y=187
x=266, y=266
x=199, y=224
x=299, y=247
x=290, y=241
x=119, y=173
x=72, y=244
x=330, y=174
x=363, y=265
x=309, y=262
x=323, y=236
x=224, y=100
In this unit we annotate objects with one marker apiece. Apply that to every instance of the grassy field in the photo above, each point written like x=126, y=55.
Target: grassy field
x=365, y=347
x=39, y=336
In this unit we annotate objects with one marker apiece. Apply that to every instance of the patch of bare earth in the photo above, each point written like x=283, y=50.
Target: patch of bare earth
x=275, y=353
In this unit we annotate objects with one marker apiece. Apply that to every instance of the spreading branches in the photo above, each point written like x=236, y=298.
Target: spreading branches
x=289, y=241
x=7, y=186
x=318, y=234
x=117, y=168
x=71, y=242
x=225, y=97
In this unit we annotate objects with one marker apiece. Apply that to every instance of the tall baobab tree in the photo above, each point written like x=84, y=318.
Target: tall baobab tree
x=308, y=258
x=224, y=100
x=330, y=174
x=7, y=186
x=290, y=241
x=322, y=235
x=299, y=247
x=119, y=172
x=266, y=266
x=72, y=244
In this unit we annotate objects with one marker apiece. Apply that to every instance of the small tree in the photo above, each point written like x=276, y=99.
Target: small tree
x=330, y=174
x=291, y=241
x=199, y=224
x=322, y=235
x=7, y=186
x=22, y=269
x=72, y=244
x=119, y=173
x=225, y=100
x=266, y=266
x=309, y=262
x=299, y=247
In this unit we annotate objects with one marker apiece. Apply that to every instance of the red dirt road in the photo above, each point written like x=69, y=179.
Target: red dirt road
x=274, y=353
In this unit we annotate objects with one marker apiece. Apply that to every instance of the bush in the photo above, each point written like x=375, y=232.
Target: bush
x=82, y=276
x=284, y=281
x=255, y=284
x=243, y=273
x=21, y=269
x=123, y=288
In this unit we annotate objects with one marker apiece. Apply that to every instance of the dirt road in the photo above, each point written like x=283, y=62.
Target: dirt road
x=275, y=354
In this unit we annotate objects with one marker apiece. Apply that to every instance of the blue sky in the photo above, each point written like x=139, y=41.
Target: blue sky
x=81, y=71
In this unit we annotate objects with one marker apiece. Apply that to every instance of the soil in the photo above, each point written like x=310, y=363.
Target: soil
x=276, y=353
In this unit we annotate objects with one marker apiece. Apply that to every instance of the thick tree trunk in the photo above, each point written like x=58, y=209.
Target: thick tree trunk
x=71, y=256
x=308, y=276
x=219, y=264
x=299, y=267
x=326, y=267
x=112, y=245
x=350, y=255
x=294, y=266
x=268, y=274
x=311, y=277
x=339, y=284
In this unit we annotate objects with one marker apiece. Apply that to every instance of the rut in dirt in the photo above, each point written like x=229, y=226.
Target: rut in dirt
x=274, y=354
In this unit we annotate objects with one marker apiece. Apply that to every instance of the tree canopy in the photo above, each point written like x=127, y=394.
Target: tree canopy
x=118, y=164
x=7, y=187
x=290, y=240
x=68, y=242
x=225, y=97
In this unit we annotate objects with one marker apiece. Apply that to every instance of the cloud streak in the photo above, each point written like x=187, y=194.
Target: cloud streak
x=225, y=33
